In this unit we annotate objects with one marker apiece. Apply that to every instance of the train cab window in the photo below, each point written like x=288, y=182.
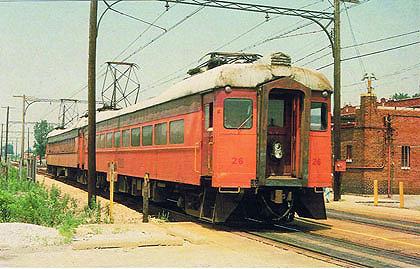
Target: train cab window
x=117, y=140
x=135, y=137
x=126, y=138
x=109, y=140
x=318, y=116
x=160, y=134
x=176, y=132
x=147, y=135
x=275, y=113
x=237, y=113
x=208, y=116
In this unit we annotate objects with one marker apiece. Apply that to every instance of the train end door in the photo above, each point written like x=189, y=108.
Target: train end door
x=207, y=147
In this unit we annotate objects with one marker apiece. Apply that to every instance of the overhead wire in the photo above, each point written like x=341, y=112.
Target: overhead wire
x=371, y=53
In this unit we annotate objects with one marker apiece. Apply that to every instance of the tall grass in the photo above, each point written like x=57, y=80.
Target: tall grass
x=32, y=202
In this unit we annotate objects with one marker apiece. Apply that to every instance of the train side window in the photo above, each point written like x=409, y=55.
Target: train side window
x=117, y=140
x=147, y=135
x=126, y=138
x=237, y=113
x=318, y=116
x=109, y=140
x=102, y=145
x=208, y=116
x=176, y=132
x=160, y=134
x=98, y=141
x=135, y=137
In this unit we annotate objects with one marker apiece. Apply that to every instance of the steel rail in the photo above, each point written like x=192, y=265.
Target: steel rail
x=396, y=225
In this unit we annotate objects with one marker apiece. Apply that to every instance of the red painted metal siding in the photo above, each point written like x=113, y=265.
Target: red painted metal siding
x=320, y=153
x=234, y=150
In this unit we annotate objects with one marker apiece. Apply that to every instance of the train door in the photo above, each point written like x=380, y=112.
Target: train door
x=282, y=130
x=207, y=153
x=81, y=150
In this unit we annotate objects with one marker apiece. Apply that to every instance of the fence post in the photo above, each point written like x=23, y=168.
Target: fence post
x=401, y=187
x=375, y=192
x=145, y=194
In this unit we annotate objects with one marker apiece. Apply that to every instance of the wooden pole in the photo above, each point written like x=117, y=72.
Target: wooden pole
x=401, y=187
x=375, y=192
x=92, y=102
x=145, y=194
x=337, y=98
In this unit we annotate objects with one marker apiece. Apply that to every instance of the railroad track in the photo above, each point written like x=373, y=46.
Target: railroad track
x=296, y=236
x=333, y=250
x=396, y=225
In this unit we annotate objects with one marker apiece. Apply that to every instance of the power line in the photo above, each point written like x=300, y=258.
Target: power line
x=372, y=53
x=354, y=40
x=381, y=39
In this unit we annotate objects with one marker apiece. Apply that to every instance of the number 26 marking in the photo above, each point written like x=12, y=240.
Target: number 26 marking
x=237, y=161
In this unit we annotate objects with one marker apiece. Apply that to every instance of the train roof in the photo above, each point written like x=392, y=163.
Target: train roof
x=244, y=75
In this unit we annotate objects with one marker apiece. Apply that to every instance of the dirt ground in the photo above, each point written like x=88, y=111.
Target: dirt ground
x=159, y=244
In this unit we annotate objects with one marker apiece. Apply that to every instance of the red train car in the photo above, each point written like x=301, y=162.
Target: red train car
x=242, y=134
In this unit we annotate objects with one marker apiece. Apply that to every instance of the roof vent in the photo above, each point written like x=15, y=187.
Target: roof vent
x=280, y=58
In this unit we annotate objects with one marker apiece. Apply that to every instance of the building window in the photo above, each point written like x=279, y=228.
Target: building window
x=109, y=140
x=208, y=116
x=147, y=135
x=117, y=142
x=160, y=134
x=349, y=153
x=237, y=113
x=135, y=137
x=405, y=157
x=125, y=138
x=176, y=132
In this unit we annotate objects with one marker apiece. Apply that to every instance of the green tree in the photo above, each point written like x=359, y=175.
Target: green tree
x=10, y=150
x=41, y=130
x=400, y=95
x=416, y=95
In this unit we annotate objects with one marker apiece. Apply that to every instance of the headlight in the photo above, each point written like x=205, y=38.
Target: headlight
x=277, y=150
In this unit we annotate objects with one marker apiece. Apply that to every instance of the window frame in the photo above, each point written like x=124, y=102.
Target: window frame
x=405, y=157
x=349, y=153
x=250, y=120
x=109, y=145
x=183, y=132
x=131, y=137
x=324, y=105
x=143, y=133
x=119, y=139
x=155, y=133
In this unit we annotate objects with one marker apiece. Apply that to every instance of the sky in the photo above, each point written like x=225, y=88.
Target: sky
x=44, y=46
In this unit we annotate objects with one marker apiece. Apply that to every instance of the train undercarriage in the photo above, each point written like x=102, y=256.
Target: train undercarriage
x=267, y=204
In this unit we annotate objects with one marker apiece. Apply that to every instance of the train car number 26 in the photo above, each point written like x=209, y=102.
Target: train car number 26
x=237, y=160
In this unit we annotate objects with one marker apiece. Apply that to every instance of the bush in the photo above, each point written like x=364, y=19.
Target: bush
x=31, y=202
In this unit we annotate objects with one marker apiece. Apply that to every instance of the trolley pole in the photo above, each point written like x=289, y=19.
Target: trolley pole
x=337, y=98
x=92, y=102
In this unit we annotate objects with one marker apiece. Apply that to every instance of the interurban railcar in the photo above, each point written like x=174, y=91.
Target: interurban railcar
x=244, y=134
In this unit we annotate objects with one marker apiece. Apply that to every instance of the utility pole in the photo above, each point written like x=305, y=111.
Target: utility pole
x=93, y=33
x=7, y=141
x=337, y=98
x=28, y=144
x=1, y=143
x=22, y=146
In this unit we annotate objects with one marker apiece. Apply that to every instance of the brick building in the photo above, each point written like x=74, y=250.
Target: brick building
x=381, y=140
